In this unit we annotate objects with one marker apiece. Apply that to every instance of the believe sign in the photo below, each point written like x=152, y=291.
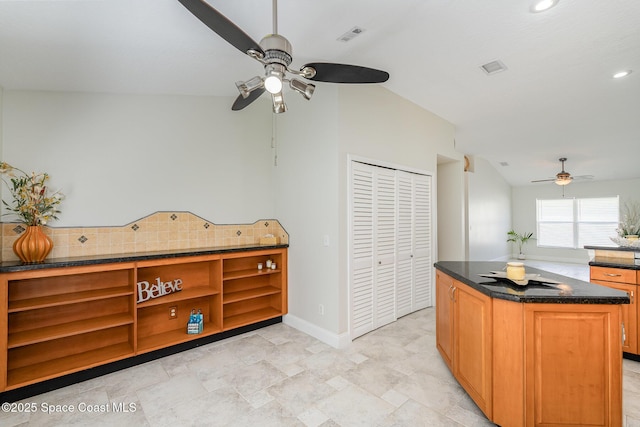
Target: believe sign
x=147, y=291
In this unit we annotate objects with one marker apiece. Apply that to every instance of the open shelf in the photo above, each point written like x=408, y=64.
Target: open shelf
x=177, y=336
x=63, y=320
x=183, y=295
x=48, y=333
x=70, y=298
x=68, y=364
x=243, y=319
x=241, y=274
x=231, y=297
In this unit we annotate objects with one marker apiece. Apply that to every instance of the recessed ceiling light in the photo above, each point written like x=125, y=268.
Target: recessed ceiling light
x=621, y=74
x=542, y=5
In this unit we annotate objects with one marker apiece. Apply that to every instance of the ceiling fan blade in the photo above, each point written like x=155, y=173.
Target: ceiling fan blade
x=221, y=25
x=544, y=180
x=583, y=177
x=343, y=73
x=241, y=102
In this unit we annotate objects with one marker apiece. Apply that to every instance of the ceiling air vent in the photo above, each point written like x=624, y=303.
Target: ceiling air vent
x=351, y=34
x=493, y=67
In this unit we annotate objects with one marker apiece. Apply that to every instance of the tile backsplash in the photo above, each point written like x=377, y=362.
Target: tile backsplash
x=157, y=232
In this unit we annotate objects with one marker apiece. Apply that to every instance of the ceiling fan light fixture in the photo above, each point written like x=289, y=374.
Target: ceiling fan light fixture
x=563, y=181
x=245, y=88
x=278, y=103
x=273, y=84
x=273, y=81
x=305, y=89
x=563, y=178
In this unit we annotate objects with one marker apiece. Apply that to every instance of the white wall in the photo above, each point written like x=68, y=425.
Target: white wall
x=118, y=158
x=314, y=141
x=489, y=213
x=524, y=211
x=306, y=179
x=451, y=208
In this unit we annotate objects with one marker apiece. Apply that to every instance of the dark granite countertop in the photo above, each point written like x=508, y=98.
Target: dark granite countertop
x=12, y=266
x=575, y=291
x=605, y=258
x=613, y=248
x=615, y=262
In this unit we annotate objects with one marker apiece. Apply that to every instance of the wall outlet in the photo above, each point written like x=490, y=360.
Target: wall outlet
x=321, y=309
x=173, y=312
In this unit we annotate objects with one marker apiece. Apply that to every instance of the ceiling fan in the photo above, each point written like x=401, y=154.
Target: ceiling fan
x=563, y=177
x=274, y=53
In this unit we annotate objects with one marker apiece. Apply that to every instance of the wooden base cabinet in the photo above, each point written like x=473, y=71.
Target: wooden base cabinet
x=463, y=335
x=57, y=321
x=624, y=280
x=527, y=364
x=566, y=345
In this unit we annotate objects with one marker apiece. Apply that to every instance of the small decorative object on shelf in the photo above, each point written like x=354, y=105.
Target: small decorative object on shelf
x=520, y=239
x=196, y=322
x=35, y=207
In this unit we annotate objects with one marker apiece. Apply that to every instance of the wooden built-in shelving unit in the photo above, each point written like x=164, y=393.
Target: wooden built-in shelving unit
x=57, y=321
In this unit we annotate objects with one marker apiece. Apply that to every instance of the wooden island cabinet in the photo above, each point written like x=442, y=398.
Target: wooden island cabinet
x=73, y=316
x=536, y=355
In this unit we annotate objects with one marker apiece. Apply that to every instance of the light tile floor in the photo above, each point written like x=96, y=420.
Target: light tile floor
x=278, y=376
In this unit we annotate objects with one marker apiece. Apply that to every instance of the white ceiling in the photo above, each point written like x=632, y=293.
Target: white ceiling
x=556, y=99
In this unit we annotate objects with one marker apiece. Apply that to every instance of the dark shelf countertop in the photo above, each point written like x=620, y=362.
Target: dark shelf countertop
x=613, y=248
x=13, y=266
x=612, y=260
x=575, y=291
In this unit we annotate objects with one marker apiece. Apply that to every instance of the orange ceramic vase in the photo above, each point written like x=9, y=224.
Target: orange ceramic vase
x=33, y=245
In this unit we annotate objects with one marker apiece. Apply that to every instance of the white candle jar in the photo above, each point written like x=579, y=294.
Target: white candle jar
x=515, y=271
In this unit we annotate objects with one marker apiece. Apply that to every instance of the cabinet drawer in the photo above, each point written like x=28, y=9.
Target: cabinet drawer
x=619, y=275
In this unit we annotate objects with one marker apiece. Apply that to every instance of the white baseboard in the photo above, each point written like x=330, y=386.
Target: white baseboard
x=327, y=337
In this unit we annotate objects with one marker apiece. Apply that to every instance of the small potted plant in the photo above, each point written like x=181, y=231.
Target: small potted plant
x=34, y=206
x=520, y=239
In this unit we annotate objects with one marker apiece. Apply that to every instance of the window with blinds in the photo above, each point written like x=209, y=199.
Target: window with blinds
x=574, y=223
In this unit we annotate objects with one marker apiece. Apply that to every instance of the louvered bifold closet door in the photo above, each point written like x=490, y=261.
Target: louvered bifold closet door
x=404, y=249
x=422, y=230
x=390, y=254
x=384, y=246
x=361, y=301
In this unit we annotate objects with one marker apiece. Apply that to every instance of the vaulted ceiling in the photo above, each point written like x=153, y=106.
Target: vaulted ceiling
x=556, y=98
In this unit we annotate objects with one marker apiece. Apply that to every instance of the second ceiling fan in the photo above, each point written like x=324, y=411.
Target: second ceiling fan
x=274, y=52
x=563, y=177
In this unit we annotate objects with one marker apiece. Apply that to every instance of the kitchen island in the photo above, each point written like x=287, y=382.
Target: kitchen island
x=540, y=354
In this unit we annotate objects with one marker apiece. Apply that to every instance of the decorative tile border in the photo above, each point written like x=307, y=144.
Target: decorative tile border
x=159, y=231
